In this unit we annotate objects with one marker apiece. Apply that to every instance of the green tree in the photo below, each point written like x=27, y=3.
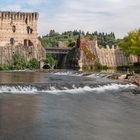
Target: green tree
x=130, y=44
x=50, y=60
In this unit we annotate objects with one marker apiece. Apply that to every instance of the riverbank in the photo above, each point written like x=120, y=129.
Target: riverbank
x=131, y=78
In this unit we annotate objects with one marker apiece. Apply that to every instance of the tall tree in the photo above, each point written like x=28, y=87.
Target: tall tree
x=130, y=44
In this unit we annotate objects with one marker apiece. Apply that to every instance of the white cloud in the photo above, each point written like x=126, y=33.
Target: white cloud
x=119, y=16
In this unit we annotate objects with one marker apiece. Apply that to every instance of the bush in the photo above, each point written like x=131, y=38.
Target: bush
x=50, y=60
x=98, y=66
x=19, y=61
x=33, y=64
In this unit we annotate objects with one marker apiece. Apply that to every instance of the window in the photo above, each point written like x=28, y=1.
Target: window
x=29, y=30
x=14, y=28
x=25, y=42
x=28, y=42
x=12, y=41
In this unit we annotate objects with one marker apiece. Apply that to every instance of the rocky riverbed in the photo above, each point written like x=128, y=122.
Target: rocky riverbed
x=131, y=78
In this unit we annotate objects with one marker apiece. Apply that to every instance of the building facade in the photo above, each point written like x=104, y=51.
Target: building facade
x=18, y=34
x=18, y=28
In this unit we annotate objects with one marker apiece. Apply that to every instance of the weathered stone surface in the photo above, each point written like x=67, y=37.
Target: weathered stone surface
x=113, y=57
x=122, y=77
x=89, y=53
x=18, y=28
x=86, y=51
x=135, y=79
x=18, y=34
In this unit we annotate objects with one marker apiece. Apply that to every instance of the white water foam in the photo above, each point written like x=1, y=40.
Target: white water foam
x=98, y=75
x=68, y=73
x=75, y=90
x=18, y=89
x=85, y=89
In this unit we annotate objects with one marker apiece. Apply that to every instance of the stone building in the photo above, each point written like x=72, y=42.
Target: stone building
x=86, y=51
x=89, y=53
x=18, y=33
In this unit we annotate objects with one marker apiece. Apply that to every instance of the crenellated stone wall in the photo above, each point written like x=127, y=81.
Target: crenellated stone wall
x=113, y=57
x=18, y=34
x=18, y=28
x=89, y=53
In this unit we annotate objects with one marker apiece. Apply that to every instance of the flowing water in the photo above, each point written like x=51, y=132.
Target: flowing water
x=67, y=106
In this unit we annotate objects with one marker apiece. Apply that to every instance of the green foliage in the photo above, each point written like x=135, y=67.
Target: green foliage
x=51, y=60
x=98, y=67
x=19, y=62
x=72, y=58
x=131, y=67
x=33, y=64
x=7, y=67
x=70, y=37
x=105, y=39
x=130, y=44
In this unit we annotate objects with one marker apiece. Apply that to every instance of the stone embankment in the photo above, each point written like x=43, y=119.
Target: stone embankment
x=135, y=79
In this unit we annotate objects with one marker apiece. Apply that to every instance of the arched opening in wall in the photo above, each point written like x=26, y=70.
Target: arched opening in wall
x=31, y=30
x=12, y=41
x=25, y=42
x=14, y=28
x=46, y=66
x=30, y=43
x=28, y=29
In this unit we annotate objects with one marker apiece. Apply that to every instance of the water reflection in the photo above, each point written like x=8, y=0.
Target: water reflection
x=20, y=77
x=18, y=116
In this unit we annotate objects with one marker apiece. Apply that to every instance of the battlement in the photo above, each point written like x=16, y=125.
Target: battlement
x=18, y=28
x=90, y=52
x=18, y=34
x=7, y=15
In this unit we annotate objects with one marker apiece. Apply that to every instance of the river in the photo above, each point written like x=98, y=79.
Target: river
x=67, y=106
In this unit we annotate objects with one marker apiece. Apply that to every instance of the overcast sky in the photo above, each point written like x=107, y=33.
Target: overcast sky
x=118, y=16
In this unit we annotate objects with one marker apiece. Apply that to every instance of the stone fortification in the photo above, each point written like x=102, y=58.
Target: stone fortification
x=86, y=51
x=89, y=53
x=113, y=57
x=18, y=33
x=29, y=52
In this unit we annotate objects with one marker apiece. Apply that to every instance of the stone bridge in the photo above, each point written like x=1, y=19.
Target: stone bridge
x=60, y=54
x=55, y=50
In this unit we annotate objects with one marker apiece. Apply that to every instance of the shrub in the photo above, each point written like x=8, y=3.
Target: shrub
x=33, y=64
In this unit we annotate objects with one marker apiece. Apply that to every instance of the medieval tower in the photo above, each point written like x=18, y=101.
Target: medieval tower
x=18, y=28
x=18, y=33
